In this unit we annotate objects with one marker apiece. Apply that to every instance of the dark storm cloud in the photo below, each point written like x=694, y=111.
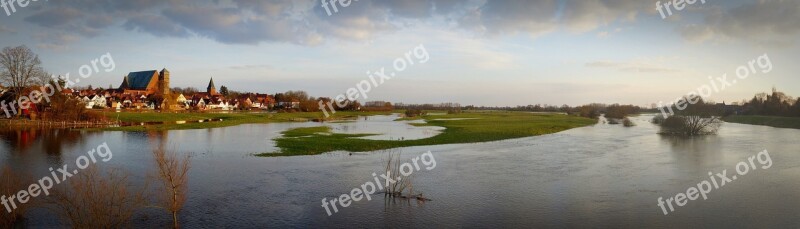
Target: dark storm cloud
x=766, y=21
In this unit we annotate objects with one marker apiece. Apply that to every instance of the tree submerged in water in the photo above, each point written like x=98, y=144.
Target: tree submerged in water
x=691, y=125
x=700, y=118
x=628, y=123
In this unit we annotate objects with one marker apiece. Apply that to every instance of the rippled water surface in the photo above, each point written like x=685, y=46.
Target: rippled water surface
x=597, y=176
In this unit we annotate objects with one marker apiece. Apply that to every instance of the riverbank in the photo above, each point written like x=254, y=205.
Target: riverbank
x=228, y=119
x=43, y=124
x=773, y=121
x=462, y=128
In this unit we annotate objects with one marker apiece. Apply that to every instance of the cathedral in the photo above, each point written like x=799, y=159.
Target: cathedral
x=146, y=83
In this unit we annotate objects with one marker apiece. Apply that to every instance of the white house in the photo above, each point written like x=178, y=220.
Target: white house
x=98, y=100
x=182, y=100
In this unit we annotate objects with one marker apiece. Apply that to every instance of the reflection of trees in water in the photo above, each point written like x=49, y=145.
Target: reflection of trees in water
x=157, y=139
x=56, y=140
x=46, y=146
x=688, y=143
x=694, y=150
x=52, y=141
x=19, y=140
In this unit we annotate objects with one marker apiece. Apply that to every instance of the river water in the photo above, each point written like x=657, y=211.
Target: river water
x=596, y=176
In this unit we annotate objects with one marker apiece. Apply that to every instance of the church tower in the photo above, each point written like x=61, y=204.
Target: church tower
x=211, y=89
x=163, y=81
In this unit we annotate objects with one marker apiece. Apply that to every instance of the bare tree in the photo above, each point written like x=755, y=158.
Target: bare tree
x=173, y=174
x=690, y=125
x=11, y=183
x=90, y=199
x=20, y=68
x=696, y=119
x=42, y=78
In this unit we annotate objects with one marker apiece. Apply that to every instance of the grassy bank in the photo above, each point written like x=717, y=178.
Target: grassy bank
x=481, y=127
x=229, y=119
x=773, y=121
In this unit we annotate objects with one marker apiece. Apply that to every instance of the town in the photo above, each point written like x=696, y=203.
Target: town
x=150, y=90
x=399, y=114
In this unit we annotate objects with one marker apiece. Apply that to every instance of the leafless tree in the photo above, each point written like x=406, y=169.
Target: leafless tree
x=10, y=183
x=173, y=174
x=690, y=125
x=42, y=78
x=91, y=199
x=19, y=68
x=696, y=119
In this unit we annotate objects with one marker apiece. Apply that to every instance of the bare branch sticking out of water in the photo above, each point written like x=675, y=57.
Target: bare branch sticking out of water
x=402, y=183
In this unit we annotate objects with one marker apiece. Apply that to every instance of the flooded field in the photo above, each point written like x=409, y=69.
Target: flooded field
x=596, y=176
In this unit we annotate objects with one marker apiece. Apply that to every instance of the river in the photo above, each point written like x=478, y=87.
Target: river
x=605, y=176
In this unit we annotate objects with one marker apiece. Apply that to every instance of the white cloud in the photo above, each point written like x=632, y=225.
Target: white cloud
x=636, y=66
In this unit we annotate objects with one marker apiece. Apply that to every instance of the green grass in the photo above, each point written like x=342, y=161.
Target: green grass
x=773, y=121
x=485, y=127
x=229, y=119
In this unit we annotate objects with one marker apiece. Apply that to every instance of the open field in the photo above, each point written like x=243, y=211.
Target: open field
x=773, y=121
x=229, y=119
x=479, y=127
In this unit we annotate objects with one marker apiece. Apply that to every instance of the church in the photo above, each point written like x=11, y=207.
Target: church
x=146, y=83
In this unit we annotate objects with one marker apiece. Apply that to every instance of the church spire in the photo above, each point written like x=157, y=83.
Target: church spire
x=211, y=89
x=125, y=84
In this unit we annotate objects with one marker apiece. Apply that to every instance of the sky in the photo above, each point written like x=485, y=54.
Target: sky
x=490, y=53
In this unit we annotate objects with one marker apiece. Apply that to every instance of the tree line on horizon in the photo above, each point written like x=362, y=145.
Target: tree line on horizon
x=774, y=104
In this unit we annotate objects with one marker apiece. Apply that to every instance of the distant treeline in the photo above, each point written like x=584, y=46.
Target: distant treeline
x=775, y=104
x=429, y=106
x=590, y=110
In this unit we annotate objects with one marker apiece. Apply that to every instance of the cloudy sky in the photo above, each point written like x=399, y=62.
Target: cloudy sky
x=481, y=52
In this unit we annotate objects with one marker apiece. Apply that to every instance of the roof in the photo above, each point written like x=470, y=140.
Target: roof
x=125, y=83
x=140, y=80
x=211, y=84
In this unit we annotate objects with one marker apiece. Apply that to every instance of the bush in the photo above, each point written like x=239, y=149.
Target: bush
x=628, y=123
x=658, y=119
x=10, y=184
x=620, y=111
x=414, y=113
x=65, y=108
x=690, y=125
x=97, y=199
x=588, y=111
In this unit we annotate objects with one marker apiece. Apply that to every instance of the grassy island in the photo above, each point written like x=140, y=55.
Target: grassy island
x=464, y=128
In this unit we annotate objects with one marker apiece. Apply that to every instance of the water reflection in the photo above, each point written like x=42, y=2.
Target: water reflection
x=605, y=176
x=385, y=128
x=39, y=146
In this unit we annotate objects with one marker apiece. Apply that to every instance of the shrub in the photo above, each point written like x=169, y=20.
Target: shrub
x=414, y=113
x=690, y=125
x=658, y=119
x=628, y=123
x=64, y=108
x=11, y=183
x=620, y=111
x=94, y=199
